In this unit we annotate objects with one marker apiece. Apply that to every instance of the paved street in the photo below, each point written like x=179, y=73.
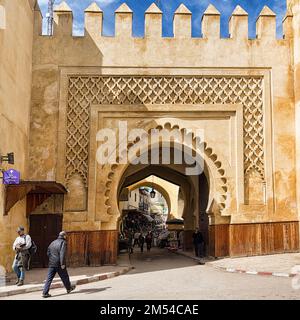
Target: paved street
x=164, y=275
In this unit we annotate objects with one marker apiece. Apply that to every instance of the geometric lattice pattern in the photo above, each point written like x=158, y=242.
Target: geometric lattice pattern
x=133, y=90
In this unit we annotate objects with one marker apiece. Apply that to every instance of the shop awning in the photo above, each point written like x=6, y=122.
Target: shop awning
x=15, y=193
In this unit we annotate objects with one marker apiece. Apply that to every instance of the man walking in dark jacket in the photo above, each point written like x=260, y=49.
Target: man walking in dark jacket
x=57, y=264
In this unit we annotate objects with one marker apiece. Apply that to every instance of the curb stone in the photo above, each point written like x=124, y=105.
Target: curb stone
x=234, y=270
x=259, y=273
x=59, y=285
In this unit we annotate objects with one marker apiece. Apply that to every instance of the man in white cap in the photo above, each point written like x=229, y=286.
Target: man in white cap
x=57, y=264
x=21, y=246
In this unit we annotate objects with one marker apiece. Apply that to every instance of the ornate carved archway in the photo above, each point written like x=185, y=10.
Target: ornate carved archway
x=237, y=95
x=87, y=90
x=216, y=171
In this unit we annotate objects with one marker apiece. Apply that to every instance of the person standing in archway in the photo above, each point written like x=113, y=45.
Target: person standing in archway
x=130, y=242
x=136, y=238
x=149, y=241
x=198, y=242
x=141, y=242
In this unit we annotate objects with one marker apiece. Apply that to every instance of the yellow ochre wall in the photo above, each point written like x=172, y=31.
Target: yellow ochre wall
x=16, y=38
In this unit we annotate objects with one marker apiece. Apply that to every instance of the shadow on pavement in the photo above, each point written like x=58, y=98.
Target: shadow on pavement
x=92, y=290
x=158, y=260
x=86, y=291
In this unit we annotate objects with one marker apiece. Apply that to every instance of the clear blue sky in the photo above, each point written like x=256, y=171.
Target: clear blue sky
x=253, y=7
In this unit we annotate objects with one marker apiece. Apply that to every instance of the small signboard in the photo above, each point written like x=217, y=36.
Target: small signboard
x=11, y=176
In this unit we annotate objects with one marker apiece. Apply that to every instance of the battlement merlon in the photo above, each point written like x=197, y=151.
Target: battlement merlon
x=63, y=18
x=211, y=27
x=182, y=25
x=266, y=24
x=288, y=25
x=153, y=22
x=182, y=22
x=123, y=21
x=38, y=20
x=238, y=24
x=93, y=19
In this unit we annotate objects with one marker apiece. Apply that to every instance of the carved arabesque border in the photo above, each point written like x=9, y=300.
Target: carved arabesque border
x=86, y=90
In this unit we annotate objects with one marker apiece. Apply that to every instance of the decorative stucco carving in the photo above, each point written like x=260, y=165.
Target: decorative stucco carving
x=84, y=91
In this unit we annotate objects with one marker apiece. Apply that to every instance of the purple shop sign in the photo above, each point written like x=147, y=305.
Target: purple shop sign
x=11, y=176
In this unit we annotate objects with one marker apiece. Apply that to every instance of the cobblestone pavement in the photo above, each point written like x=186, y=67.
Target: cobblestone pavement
x=165, y=275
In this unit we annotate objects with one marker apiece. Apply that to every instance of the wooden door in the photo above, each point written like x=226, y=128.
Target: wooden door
x=44, y=228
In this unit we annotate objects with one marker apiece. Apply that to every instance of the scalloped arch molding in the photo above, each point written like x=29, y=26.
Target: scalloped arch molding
x=217, y=168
